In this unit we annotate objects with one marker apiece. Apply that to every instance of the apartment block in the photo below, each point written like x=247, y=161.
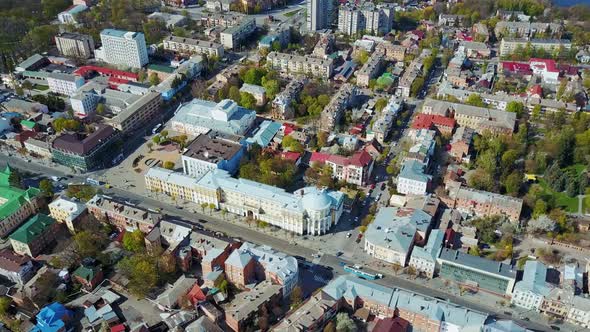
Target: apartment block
x=233, y=36
x=124, y=48
x=75, y=45
x=212, y=151
x=354, y=19
x=67, y=211
x=193, y=46
x=332, y=113
x=282, y=108
x=34, y=235
x=64, y=84
x=371, y=69
x=297, y=64
x=138, y=113
x=509, y=45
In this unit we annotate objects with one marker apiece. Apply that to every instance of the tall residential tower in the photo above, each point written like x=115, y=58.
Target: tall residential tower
x=125, y=48
x=318, y=14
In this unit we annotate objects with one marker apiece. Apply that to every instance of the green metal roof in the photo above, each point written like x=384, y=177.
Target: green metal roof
x=13, y=197
x=32, y=229
x=86, y=273
x=28, y=123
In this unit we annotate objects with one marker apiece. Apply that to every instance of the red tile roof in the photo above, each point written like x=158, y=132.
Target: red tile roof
x=289, y=155
x=520, y=67
x=360, y=159
x=549, y=64
x=84, y=70
x=196, y=295
x=536, y=90
x=425, y=121
x=318, y=157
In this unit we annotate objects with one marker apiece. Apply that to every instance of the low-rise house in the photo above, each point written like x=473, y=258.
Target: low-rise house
x=430, y=121
x=461, y=144
x=54, y=317
x=532, y=289
x=258, y=92
x=477, y=273
x=168, y=300
x=23, y=107
x=412, y=178
x=89, y=276
x=423, y=259
x=16, y=268
x=38, y=147
x=247, y=305
x=122, y=215
x=68, y=211
x=355, y=169
x=170, y=20
x=393, y=233
x=476, y=50
x=34, y=235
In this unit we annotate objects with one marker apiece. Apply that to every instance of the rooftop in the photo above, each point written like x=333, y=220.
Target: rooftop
x=432, y=248
x=478, y=263
x=82, y=144
x=129, y=211
x=534, y=279
x=73, y=208
x=32, y=229
x=414, y=170
x=395, y=228
x=225, y=116
x=246, y=303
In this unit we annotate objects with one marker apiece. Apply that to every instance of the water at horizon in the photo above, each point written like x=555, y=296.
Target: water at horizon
x=571, y=2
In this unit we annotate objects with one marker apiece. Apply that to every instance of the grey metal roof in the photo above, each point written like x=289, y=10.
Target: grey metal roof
x=478, y=263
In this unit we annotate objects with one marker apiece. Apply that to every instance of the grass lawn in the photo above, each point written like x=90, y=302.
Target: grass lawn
x=570, y=204
x=289, y=14
x=41, y=87
x=577, y=167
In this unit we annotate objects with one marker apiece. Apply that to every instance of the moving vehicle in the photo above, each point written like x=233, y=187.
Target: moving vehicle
x=92, y=181
x=362, y=274
x=157, y=128
x=348, y=235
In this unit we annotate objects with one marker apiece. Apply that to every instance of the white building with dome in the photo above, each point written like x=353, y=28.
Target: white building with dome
x=309, y=210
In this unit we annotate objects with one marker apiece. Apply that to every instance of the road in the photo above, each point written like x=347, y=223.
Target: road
x=216, y=224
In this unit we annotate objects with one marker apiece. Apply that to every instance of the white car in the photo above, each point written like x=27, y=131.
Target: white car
x=348, y=235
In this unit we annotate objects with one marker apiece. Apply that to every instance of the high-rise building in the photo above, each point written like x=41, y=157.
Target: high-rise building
x=318, y=13
x=75, y=45
x=353, y=19
x=126, y=48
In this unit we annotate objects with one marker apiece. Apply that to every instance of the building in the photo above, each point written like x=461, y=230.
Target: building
x=412, y=178
x=393, y=233
x=247, y=264
x=247, y=305
x=509, y=45
x=480, y=119
x=306, y=211
x=122, y=215
x=532, y=289
x=53, y=318
x=168, y=300
x=16, y=268
x=282, y=105
x=258, y=92
x=297, y=64
x=86, y=152
x=461, y=143
x=68, y=16
x=423, y=259
x=579, y=312
x=124, y=48
x=332, y=114
x=441, y=123
x=67, y=211
x=89, y=276
x=382, y=127
x=476, y=50
x=137, y=114
x=34, y=235
x=16, y=205
x=38, y=147
x=354, y=170
x=412, y=71
x=64, y=84
x=476, y=272
x=211, y=151
x=482, y=203
x=371, y=69
x=75, y=45
x=201, y=116
x=232, y=37
x=354, y=19
x=23, y=107
x=526, y=29
x=318, y=14
x=193, y=46
x=311, y=315
x=424, y=313
x=170, y=20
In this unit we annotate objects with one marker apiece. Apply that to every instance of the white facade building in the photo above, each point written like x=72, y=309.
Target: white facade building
x=412, y=179
x=64, y=84
x=193, y=46
x=233, y=36
x=424, y=259
x=124, y=48
x=532, y=289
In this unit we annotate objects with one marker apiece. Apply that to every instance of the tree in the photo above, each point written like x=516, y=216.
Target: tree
x=204, y=206
x=512, y=183
x=5, y=303
x=234, y=94
x=134, y=241
x=154, y=79
x=247, y=100
x=27, y=86
x=167, y=263
x=19, y=91
x=515, y=107
x=380, y=104
x=169, y=164
x=15, y=179
x=296, y=297
x=474, y=250
x=142, y=273
x=212, y=207
x=253, y=76
x=322, y=139
x=330, y=327
x=88, y=243
x=157, y=139
x=540, y=208
x=46, y=188
x=475, y=100
x=344, y=323
x=100, y=109
x=141, y=75
x=150, y=146
x=416, y=86
x=224, y=286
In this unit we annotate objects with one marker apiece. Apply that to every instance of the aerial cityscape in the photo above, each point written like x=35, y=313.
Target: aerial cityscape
x=294, y=165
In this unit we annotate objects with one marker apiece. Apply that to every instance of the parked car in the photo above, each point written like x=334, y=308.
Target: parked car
x=348, y=235
x=383, y=185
